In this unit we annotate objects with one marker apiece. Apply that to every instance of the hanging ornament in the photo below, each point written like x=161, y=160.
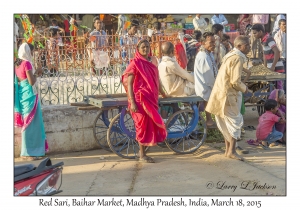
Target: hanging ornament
x=29, y=40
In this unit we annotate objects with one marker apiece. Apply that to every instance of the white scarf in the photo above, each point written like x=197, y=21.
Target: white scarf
x=234, y=51
x=24, y=53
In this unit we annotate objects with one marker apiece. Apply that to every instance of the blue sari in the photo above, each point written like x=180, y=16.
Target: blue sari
x=28, y=116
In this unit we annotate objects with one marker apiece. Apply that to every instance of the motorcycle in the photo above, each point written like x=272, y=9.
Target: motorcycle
x=45, y=179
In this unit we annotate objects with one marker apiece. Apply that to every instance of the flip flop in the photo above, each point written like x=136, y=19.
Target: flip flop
x=253, y=142
x=263, y=146
x=249, y=128
x=146, y=159
x=31, y=158
x=252, y=127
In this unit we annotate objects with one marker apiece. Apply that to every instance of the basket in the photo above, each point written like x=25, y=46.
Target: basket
x=231, y=27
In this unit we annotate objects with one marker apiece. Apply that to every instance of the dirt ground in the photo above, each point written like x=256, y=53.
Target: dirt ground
x=206, y=172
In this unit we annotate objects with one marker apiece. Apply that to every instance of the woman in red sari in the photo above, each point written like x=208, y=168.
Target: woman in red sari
x=142, y=85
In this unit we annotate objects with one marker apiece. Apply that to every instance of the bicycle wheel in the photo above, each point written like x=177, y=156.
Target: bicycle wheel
x=186, y=131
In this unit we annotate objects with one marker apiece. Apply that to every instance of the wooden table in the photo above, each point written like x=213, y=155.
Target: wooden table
x=233, y=35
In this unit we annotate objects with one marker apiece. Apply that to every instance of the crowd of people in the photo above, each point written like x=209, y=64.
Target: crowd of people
x=215, y=77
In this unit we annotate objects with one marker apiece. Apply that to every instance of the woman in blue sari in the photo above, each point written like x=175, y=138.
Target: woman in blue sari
x=28, y=113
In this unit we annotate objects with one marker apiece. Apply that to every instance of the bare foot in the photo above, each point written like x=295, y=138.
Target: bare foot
x=210, y=123
x=226, y=152
x=235, y=156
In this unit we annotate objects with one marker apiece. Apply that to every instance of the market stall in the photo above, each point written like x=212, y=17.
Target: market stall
x=261, y=83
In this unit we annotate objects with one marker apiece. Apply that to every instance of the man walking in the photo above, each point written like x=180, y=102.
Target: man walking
x=226, y=96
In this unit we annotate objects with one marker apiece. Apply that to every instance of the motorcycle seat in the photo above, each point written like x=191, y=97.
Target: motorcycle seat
x=22, y=169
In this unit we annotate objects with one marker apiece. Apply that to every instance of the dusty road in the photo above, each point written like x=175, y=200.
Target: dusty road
x=206, y=172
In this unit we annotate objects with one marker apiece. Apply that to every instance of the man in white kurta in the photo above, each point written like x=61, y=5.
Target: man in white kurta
x=199, y=23
x=205, y=71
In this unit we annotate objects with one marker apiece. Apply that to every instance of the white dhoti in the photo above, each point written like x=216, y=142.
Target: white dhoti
x=232, y=123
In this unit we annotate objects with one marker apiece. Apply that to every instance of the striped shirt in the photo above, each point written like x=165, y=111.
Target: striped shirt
x=268, y=44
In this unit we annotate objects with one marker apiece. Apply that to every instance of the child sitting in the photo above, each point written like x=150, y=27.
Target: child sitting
x=266, y=132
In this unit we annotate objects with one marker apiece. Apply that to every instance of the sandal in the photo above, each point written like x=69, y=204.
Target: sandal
x=146, y=159
x=263, y=146
x=253, y=142
x=276, y=145
x=249, y=128
x=31, y=158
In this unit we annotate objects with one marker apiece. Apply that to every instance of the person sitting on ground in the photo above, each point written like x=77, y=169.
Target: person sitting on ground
x=205, y=70
x=176, y=80
x=266, y=131
x=279, y=96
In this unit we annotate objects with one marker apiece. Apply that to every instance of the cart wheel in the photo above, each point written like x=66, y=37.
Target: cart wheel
x=260, y=109
x=182, y=138
x=101, y=125
x=256, y=87
x=163, y=144
x=121, y=140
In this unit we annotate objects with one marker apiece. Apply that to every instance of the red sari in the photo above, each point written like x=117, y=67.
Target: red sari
x=149, y=126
